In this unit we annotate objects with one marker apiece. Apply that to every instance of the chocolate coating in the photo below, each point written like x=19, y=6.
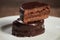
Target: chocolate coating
x=27, y=30
x=31, y=5
x=34, y=11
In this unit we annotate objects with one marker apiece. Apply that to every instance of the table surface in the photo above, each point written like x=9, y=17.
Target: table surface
x=11, y=7
x=8, y=11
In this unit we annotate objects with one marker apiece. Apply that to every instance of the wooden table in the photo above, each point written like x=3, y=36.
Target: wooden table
x=11, y=7
x=8, y=11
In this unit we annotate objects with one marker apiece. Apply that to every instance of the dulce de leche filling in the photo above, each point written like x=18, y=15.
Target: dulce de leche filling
x=31, y=11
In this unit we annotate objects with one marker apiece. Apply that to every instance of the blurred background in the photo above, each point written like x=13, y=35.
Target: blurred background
x=11, y=7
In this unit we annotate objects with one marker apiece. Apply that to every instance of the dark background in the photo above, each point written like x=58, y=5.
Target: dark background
x=11, y=7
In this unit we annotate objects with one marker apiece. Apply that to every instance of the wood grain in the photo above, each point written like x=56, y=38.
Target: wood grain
x=11, y=7
x=8, y=11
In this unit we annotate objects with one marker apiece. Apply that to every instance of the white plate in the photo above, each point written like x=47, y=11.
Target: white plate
x=52, y=29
